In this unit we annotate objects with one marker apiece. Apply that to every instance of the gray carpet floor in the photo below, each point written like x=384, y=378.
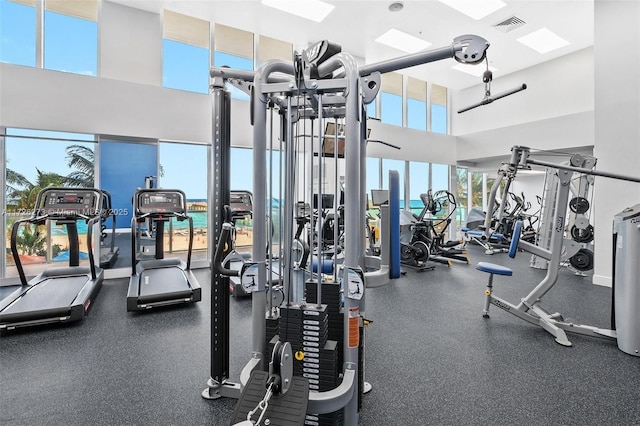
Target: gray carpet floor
x=430, y=356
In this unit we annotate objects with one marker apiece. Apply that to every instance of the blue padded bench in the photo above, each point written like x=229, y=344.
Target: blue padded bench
x=491, y=269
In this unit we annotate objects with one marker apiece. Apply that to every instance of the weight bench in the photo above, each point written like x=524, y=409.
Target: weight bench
x=492, y=269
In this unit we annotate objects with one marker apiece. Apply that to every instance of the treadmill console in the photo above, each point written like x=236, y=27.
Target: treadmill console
x=160, y=201
x=241, y=204
x=69, y=202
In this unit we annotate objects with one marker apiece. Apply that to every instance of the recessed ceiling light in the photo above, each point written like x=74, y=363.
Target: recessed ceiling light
x=477, y=9
x=474, y=70
x=314, y=10
x=396, y=6
x=403, y=41
x=544, y=40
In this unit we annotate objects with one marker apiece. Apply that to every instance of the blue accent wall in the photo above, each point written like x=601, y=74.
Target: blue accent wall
x=123, y=167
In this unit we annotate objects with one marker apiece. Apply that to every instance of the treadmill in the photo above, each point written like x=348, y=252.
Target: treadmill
x=159, y=281
x=61, y=294
x=108, y=255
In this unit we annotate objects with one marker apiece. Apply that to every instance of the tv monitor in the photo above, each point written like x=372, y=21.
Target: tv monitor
x=379, y=197
x=329, y=141
x=327, y=201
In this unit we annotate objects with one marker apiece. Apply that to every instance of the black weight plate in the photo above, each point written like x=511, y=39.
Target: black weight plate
x=582, y=235
x=579, y=205
x=582, y=260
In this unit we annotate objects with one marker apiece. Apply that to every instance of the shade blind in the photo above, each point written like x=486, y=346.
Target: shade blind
x=31, y=3
x=417, y=89
x=83, y=9
x=185, y=29
x=233, y=41
x=392, y=83
x=438, y=95
x=271, y=48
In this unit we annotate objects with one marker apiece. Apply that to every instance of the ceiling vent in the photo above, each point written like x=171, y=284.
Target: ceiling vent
x=509, y=24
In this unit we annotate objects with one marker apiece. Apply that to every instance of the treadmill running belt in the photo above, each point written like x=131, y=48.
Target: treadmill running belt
x=163, y=284
x=46, y=296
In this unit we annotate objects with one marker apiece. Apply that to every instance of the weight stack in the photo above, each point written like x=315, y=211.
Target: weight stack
x=272, y=330
x=305, y=327
x=332, y=297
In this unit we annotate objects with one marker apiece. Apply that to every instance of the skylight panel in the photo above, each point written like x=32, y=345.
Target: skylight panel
x=314, y=10
x=476, y=9
x=543, y=40
x=402, y=41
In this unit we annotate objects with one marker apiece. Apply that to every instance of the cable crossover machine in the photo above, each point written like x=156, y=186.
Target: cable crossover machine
x=293, y=356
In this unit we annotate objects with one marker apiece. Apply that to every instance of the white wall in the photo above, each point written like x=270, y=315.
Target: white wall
x=52, y=100
x=415, y=145
x=554, y=112
x=564, y=133
x=617, y=119
x=560, y=87
x=130, y=44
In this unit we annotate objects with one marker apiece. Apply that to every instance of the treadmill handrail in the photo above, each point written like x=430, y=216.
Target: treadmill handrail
x=90, y=225
x=108, y=211
x=14, y=249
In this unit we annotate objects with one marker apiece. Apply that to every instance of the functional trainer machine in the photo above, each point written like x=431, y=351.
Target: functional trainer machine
x=322, y=83
x=159, y=281
x=57, y=295
x=626, y=273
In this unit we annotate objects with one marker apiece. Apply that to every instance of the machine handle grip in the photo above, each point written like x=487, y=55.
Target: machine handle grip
x=225, y=237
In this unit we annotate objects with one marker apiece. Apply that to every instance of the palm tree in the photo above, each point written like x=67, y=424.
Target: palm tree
x=21, y=193
x=80, y=158
x=31, y=242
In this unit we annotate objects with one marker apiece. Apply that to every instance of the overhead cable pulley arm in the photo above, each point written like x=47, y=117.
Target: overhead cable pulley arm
x=466, y=49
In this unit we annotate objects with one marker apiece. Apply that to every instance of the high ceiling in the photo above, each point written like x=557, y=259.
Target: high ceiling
x=356, y=24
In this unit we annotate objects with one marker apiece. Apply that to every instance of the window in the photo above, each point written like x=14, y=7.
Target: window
x=418, y=184
x=416, y=104
x=233, y=48
x=33, y=163
x=391, y=99
x=462, y=195
x=476, y=189
x=439, y=177
x=71, y=36
x=185, y=53
x=438, y=109
x=241, y=164
x=371, y=109
x=373, y=175
x=193, y=181
x=18, y=32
